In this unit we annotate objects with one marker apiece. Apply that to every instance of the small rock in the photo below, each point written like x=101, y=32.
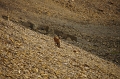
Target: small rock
x=83, y=75
x=26, y=76
x=74, y=51
x=42, y=72
x=67, y=77
x=45, y=76
x=35, y=70
x=19, y=71
x=39, y=77
x=87, y=68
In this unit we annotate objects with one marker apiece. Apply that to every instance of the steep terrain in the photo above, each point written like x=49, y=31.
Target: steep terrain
x=89, y=31
x=92, y=25
x=25, y=54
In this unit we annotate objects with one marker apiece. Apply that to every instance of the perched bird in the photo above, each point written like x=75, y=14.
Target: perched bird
x=57, y=41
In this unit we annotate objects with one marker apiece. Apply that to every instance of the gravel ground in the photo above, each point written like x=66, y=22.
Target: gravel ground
x=25, y=54
x=94, y=24
x=91, y=51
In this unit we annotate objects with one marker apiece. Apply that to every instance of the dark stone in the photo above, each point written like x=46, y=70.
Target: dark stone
x=28, y=24
x=5, y=17
x=44, y=29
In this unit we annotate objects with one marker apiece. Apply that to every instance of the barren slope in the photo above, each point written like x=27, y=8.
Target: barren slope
x=94, y=25
x=105, y=12
x=90, y=39
x=26, y=54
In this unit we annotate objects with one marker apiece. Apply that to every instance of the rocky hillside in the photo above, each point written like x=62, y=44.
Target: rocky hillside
x=105, y=12
x=26, y=54
x=89, y=32
x=92, y=25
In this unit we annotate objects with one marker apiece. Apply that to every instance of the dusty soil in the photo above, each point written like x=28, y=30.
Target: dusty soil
x=89, y=30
